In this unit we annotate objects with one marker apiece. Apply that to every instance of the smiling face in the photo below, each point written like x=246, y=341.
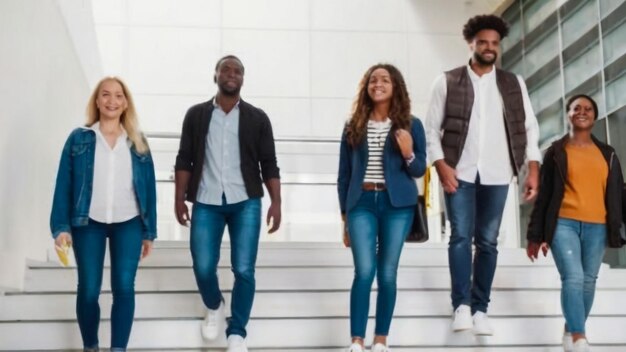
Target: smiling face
x=111, y=101
x=380, y=86
x=485, y=47
x=581, y=114
x=229, y=77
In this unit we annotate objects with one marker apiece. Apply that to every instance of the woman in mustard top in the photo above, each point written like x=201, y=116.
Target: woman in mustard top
x=578, y=213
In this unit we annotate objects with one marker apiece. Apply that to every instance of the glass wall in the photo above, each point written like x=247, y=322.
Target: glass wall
x=577, y=47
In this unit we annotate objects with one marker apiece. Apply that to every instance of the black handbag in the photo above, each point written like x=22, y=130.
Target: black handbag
x=419, y=228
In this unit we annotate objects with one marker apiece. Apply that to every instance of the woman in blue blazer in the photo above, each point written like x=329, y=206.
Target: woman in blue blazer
x=383, y=148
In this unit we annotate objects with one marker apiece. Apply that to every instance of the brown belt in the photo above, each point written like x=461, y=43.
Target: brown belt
x=374, y=186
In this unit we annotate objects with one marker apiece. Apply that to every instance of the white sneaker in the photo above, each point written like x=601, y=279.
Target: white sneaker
x=481, y=324
x=462, y=319
x=213, y=323
x=379, y=347
x=568, y=342
x=236, y=343
x=355, y=347
x=581, y=345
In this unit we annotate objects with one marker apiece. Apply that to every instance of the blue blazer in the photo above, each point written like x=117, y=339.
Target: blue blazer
x=399, y=177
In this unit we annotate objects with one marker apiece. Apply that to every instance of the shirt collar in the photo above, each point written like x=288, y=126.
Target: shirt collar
x=215, y=104
x=96, y=128
x=475, y=77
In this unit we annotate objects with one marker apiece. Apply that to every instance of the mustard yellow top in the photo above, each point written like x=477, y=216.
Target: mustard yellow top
x=587, y=172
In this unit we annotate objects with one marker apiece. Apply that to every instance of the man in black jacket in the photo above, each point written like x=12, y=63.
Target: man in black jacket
x=224, y=143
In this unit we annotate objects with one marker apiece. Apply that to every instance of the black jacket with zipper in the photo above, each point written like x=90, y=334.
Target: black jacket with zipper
x=552, y=188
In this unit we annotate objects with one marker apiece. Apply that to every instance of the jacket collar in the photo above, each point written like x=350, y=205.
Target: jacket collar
x=605, y=149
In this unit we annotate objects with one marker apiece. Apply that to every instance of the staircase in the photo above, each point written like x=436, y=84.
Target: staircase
x=302, y=304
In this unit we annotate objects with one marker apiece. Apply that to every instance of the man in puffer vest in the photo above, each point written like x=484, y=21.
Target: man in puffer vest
x=481, y=130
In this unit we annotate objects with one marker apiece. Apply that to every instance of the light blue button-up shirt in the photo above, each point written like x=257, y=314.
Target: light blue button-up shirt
x=221, y=170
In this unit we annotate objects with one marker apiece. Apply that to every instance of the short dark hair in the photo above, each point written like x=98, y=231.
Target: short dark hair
x=227, y=57
x=480, y=22
x=573, y=98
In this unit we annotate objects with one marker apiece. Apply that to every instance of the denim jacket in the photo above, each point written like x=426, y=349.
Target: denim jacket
x=72, y=193
x=399, y=177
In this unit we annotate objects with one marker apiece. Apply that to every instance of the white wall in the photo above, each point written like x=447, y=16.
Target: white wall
x=43, y=92
x=303, y=58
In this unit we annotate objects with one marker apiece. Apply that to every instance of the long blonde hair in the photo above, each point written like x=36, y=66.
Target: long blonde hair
x=128, y=119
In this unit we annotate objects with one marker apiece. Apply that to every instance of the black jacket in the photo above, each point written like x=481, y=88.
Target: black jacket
x=552, y=188
x=256, y=147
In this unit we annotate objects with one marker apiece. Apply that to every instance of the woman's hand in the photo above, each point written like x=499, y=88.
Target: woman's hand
x=405, y=142
x=146, y=248
x=63, y=239
x=532, y=250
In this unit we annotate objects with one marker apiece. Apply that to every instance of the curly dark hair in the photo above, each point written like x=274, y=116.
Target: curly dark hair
x=399, y=111
x=480, y=22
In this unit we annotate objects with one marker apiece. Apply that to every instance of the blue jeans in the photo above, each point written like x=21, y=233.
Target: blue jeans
x=89, y=243
x=578, y=248
x=377, y=232
x=475, y=212
x=207, y=229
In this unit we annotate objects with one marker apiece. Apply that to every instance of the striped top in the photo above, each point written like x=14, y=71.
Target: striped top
x=377, y=132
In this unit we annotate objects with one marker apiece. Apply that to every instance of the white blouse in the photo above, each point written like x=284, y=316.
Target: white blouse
x=113, y=197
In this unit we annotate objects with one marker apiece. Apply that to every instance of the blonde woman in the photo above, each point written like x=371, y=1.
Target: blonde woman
x=105, y=188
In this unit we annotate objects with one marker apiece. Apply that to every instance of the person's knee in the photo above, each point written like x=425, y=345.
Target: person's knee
x=488, y=245
x=573, y=280
x=460, y=243
x=89, y=291
x=244, y=272
x=205, y=267
x=387, y=277
x=365, y=273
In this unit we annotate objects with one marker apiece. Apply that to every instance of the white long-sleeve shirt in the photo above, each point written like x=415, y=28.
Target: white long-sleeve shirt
x=486, y=149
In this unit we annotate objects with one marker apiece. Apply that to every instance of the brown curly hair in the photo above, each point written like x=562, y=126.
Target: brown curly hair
x=480, y=22
x=399, y=111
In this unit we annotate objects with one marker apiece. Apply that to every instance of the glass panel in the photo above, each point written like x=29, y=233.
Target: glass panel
x=550, y=125
x=546, y=94
x=579, y=22
x=599, y=130
x=599, y=98
x=615, y=97
x=538, y=56
x=607, y=6
x=583, y=67
x=515, y=35
x=614, y=44
x=536, y=13
x=518, y=67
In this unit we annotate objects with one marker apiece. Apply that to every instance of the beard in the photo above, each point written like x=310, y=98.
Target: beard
x=229, y=91
x=483, y=61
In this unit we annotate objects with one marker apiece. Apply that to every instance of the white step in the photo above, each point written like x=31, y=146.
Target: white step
x=305, y=278
x=295, y=304
x=314, y=254
x=312, y=333
x=302, y=304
